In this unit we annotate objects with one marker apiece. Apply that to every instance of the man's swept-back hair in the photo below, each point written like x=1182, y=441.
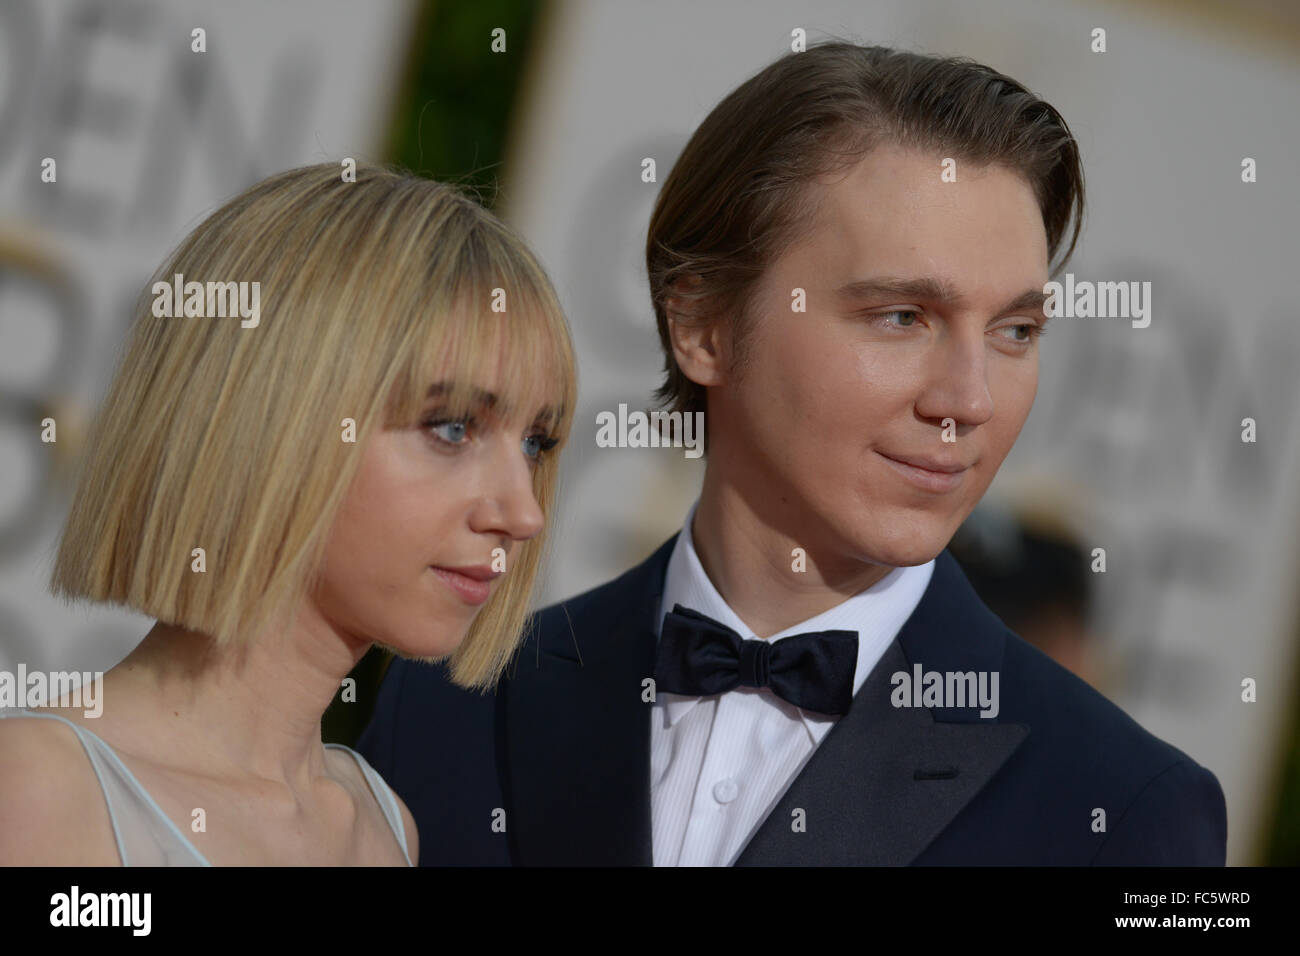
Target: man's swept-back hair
x=734, y=199
x=232, y=439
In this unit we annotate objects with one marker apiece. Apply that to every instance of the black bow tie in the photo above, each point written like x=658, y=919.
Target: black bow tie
x=699, y=656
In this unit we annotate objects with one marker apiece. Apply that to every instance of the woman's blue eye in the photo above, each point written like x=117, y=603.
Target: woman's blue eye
x=452, y=432
x=536, y=446
x=455, y=432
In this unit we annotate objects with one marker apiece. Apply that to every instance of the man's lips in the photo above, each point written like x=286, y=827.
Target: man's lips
x=946, y=466
x=926, y=473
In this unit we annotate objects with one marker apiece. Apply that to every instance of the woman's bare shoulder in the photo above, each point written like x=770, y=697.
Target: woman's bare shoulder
x=51, y=802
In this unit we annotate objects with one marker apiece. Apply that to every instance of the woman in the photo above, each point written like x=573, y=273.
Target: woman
x=362, y=453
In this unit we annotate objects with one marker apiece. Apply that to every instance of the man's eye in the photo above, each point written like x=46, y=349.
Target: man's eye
x=910, y=314
x=1030, y=330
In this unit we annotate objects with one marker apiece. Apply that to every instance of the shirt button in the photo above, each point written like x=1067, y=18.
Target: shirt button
x=724, y=791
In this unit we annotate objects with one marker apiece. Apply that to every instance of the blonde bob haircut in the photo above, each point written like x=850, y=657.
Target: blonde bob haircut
x=231, y=439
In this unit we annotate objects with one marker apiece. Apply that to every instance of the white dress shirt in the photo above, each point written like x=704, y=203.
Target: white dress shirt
x=719, y=764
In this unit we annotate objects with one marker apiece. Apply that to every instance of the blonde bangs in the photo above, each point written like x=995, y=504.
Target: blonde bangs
x=521, y=353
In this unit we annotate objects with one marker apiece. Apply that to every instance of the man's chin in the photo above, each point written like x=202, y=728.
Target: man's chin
x=910, y=557
x=903, y=551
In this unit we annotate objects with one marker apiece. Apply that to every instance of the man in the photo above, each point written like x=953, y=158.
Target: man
x=847, y=266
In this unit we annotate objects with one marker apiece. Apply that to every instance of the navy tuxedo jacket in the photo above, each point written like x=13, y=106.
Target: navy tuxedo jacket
x=558, y=757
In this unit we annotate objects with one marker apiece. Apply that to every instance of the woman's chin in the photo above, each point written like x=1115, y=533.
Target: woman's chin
x=426, y=648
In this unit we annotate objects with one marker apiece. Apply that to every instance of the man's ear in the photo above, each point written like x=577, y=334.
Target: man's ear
x=701, y=338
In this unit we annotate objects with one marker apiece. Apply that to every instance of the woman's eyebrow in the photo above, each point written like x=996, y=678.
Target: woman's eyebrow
x=488, y=400
x=480, y=397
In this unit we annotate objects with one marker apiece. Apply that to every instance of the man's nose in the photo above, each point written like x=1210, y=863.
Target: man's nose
x=957, y=384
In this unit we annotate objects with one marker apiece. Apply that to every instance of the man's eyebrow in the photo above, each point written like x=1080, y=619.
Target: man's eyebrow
x=488, y=400
x=924, y=287
x=932, y=289
x=1031, y=300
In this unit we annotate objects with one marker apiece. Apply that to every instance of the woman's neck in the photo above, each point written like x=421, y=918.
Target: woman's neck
x=235, y=711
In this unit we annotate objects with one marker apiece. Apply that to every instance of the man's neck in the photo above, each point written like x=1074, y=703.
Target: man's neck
x=751, y=562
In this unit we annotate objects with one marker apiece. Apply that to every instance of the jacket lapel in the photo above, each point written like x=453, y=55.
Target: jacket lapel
x=883, y=784
x=886, y=780
x=576, y=767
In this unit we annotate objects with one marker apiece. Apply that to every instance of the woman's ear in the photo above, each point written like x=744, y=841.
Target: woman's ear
x=701, y=338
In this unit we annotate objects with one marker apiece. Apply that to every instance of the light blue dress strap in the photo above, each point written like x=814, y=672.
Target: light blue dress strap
x=143, y=833
x=384, y=795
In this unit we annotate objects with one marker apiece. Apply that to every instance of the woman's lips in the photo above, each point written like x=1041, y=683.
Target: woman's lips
x=925, y=478
x=468, y=589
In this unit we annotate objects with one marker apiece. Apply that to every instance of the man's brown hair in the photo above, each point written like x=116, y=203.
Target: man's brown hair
x=731, y=204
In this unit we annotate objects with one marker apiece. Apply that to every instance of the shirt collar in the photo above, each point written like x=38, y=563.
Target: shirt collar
x=876, y=613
